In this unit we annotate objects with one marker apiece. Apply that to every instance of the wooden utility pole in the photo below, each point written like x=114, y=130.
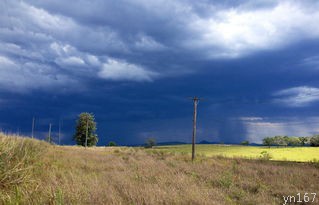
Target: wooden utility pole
x=195, y=100
x=49, y=137
x=32, y=133
x=87, y=130
x=60, y=132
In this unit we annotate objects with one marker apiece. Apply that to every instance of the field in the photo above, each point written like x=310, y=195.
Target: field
x=34, y=172
x=298, y=154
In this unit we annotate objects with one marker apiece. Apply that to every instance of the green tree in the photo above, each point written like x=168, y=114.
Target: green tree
x=245, y=142
x=268, y=141
x=294, y=141
x=280, y=140
x=314, y=141
x=112, y=144
x=85, y=124
x=285, y=141
x=150, y=142
x=303, y=140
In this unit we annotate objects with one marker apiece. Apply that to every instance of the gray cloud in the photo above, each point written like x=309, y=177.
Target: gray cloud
x=119, y=70
x=297, y=96
x=20, y=77
x=311, y=62
x=46, y=44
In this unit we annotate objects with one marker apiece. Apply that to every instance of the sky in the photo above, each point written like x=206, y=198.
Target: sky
x=136, y=63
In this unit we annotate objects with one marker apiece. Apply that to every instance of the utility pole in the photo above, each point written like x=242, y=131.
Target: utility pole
x=32, y=133
x=49, y=138
x=87, y=130
x=60, y=124
x=195, y=100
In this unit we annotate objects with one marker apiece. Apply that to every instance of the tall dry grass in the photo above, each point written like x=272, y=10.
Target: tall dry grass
x=18, y=159
x=75, y=175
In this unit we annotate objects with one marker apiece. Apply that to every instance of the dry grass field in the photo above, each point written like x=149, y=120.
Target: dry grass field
x=34, y=172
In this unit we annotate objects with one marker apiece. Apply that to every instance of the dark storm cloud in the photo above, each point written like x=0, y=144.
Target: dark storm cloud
x=134, y=63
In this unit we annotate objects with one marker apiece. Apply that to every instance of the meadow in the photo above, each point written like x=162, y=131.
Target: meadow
x=298, y=154
x=35, y=172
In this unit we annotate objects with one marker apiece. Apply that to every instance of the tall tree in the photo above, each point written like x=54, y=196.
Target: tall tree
x=85, y=130
x=303, y=140
x=268, y=141
x=314, y=141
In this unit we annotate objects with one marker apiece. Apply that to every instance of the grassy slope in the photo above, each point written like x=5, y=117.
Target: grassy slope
x=299, y=154
x=75, y=175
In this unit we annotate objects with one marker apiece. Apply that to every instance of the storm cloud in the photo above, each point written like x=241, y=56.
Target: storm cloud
x=135, y=63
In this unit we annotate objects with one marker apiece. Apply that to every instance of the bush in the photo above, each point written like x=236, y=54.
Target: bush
x=112, y=144
x=245, y=142
x=265, y=155
x=150, y=142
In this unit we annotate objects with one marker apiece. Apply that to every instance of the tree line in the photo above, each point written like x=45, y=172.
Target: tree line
x=85, y=132
x=291, y=141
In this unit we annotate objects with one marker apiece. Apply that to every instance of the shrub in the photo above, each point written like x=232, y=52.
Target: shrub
x=112, y=144
x=150, y=142
x=245, y=142
x=265, y=155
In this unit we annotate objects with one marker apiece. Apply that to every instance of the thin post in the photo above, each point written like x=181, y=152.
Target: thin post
x=87, y=130
x=49, y=138
x=60, y=132
x=195, y=100
x=32, y=133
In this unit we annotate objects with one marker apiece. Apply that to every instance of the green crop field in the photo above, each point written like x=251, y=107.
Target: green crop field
x=299, y=154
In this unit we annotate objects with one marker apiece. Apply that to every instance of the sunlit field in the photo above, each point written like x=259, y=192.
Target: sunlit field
x=35, y=172
x=299, y=154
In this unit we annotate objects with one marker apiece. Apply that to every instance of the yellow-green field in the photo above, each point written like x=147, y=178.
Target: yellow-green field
x=299, y=154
